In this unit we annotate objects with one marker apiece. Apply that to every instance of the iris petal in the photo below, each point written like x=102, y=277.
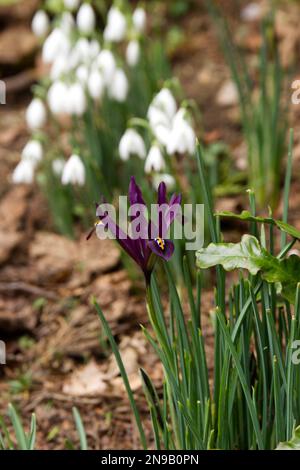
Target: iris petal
x=135, y=193
x=162, y=193
x=165, y=253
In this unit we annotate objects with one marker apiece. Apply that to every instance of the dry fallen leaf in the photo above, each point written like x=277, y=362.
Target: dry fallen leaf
x=228, y=94
x=8, y=242
x=13, y=208
x=130, y=360
x=17, y=43
x=88, y=380
x=17, y=315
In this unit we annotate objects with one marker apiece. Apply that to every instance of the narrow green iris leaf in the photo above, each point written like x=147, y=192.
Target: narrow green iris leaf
x=248, y=217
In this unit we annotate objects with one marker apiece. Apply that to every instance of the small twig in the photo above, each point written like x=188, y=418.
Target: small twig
x=24, y=287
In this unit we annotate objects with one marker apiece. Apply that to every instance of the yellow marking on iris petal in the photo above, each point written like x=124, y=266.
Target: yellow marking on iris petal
x=160, y=242
x=98, y=222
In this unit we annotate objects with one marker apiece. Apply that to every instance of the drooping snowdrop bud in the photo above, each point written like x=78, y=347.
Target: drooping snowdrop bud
x=157, y=117
x=182, y=138
x=86, y=19
x=163, y=178
x=40, y=24
x=131, y=143
x=165, y=102
x=73, y=172
x=132, y=53
x=36, y=114
x=56, y=43
x=86, y=50
x=115, y=30
x=155, y=160
x=82, y=48
x=251, y=12
x=118, y=88
x=161, y=113
x=33, y=152
x=94, y=49
x=82, y=74
x=71, y=4
x=73, y=60
x=76, y=100
x=107, y=64
x=23, y=173
x=56, y=97
x=59, y=67
x=58, y=166
x=162, y=133
x=139, y=19
x=96, y=85
x=67, y=22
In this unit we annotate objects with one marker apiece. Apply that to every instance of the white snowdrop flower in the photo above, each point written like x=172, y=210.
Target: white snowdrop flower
x=84, y=52
x=58, y=166
x=251, y=12
x=165, y=102
x=165, y=178
x=94, y=49
x=71, y=4
x=36, y=114
x=115, y=30
x=157, y=117
x=67, y=22
x=56, y=97
x=139, y=19
x=155, y=160
x=40, y=24
x=76, y=100
x=182, y=138
x=161, y=113
x=162, y=133
x=82, y=48
x=73, y=59
x=56, y=43
x=33, y=152
x=59, y=67
x=95, y=85
x=86, y=19
x=133, y=53
x=82, y=74
x=23, y=173
x=107, y=64
x=118, y=88
x=131, y=143
x=74, y=171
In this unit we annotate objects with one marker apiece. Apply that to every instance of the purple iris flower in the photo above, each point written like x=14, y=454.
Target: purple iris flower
x=150, y=240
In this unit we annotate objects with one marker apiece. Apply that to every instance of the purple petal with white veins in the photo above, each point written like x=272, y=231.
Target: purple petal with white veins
x=165, y=253
x=132, y=247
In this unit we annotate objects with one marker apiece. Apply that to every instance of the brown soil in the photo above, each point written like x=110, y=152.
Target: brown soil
x=53, y=336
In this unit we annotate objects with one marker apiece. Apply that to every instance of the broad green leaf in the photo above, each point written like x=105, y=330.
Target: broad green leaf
x=247, y=216
x=293, y=444
x=248, y=254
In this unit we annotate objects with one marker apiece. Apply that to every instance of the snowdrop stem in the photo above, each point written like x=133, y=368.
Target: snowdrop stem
x=191, y=105
x=175, y=170
x=174, y=85
x=139, y=122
